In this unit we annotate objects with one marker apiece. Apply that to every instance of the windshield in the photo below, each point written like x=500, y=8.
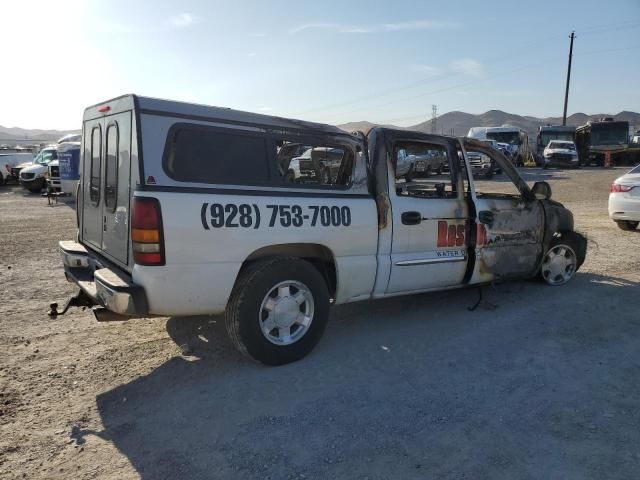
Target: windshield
x=565, y=145
x=45, y=156
x=546, y=137
x=505, y=137
x=493, y=143
x=635, y=169
x=609, y=135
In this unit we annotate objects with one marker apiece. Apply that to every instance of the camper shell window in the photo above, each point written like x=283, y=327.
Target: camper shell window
x=224, y=156
x=215, y=155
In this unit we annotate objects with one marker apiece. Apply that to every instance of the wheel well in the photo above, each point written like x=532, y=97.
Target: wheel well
x=318, y=255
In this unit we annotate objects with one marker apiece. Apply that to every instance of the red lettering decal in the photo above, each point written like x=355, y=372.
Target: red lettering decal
x=460, y=236
x=442, y=234
x=451, y=237
x=481, y=234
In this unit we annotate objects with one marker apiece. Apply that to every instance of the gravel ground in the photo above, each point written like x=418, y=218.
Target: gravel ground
x=538, y=382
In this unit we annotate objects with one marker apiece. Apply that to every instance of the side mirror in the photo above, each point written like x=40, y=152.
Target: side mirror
x=541, y=190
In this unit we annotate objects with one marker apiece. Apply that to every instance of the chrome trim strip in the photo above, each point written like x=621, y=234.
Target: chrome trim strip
x=428, y=261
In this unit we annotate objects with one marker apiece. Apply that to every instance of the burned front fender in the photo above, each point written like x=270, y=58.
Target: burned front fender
x=558, y=222
x=557, y=219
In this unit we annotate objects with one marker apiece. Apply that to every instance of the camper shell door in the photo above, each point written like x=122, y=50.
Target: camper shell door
x=108, y=173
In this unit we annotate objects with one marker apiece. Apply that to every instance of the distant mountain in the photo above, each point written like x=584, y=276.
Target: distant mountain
x=15, y=134
x=363, y=126
x=459, y=123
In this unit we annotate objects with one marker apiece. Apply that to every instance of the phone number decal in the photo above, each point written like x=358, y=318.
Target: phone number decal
x=245, y=215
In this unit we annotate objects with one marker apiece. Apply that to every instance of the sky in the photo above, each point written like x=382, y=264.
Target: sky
x=327, y=61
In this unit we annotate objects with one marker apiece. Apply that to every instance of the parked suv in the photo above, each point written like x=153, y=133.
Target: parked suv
x=190, y=210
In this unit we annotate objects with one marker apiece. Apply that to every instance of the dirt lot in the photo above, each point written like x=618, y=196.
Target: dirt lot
x=538, y=382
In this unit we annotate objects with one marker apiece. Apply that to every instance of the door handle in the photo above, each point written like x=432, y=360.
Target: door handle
x=486, y=217
x=411, y=218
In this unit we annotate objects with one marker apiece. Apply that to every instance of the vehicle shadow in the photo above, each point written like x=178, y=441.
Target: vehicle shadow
x=391, y=389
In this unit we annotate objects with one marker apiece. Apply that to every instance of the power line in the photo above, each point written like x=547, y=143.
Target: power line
x=497, y=59
x=473, y=82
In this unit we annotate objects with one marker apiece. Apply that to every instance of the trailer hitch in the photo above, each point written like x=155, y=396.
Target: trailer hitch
x=80, y=300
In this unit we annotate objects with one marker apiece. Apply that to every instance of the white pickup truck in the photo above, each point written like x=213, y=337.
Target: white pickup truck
x=188, y=210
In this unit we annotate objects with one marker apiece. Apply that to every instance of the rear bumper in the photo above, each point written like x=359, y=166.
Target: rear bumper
x=480, y=167
x=623, y=206
x=104, y=284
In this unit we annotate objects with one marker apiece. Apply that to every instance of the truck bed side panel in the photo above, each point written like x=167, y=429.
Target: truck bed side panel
x=208, y=237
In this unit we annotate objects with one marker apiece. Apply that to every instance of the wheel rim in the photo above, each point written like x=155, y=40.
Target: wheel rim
x=559, y=265
x=286, y=312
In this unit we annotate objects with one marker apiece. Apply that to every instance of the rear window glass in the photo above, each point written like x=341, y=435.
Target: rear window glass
x=111, y=168
x=208, y=155
x=96, y=160
x=312, y=163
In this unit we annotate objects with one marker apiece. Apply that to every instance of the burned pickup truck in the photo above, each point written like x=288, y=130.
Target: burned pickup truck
x=189, y=210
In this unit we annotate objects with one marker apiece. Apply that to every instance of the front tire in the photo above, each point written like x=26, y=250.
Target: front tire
x=278, y=310
x=627, y=225
x=564, y=257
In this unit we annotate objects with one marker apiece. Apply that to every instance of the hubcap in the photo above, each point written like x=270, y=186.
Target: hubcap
x=559, y=265
x=286, y=312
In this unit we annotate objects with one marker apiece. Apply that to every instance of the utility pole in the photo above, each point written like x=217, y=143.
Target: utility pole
x=434, y=115
x=566, y=92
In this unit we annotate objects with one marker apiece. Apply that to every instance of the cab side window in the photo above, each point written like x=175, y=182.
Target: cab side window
x=422, y=170
x=313, y=163
x=489, y=177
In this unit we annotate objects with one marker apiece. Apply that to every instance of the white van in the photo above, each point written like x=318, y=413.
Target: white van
x=33, y=175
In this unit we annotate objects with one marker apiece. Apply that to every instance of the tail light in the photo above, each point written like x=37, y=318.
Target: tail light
x=146, y=231
x=616, y=187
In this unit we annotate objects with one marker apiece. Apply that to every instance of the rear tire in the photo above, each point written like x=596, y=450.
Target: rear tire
x=257, y=303
x=627, y=225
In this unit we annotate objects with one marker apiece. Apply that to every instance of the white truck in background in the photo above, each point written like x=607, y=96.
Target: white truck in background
x=515, y=138
x=8, y=161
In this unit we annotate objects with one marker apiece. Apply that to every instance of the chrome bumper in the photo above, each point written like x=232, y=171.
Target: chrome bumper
x=105, y=285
